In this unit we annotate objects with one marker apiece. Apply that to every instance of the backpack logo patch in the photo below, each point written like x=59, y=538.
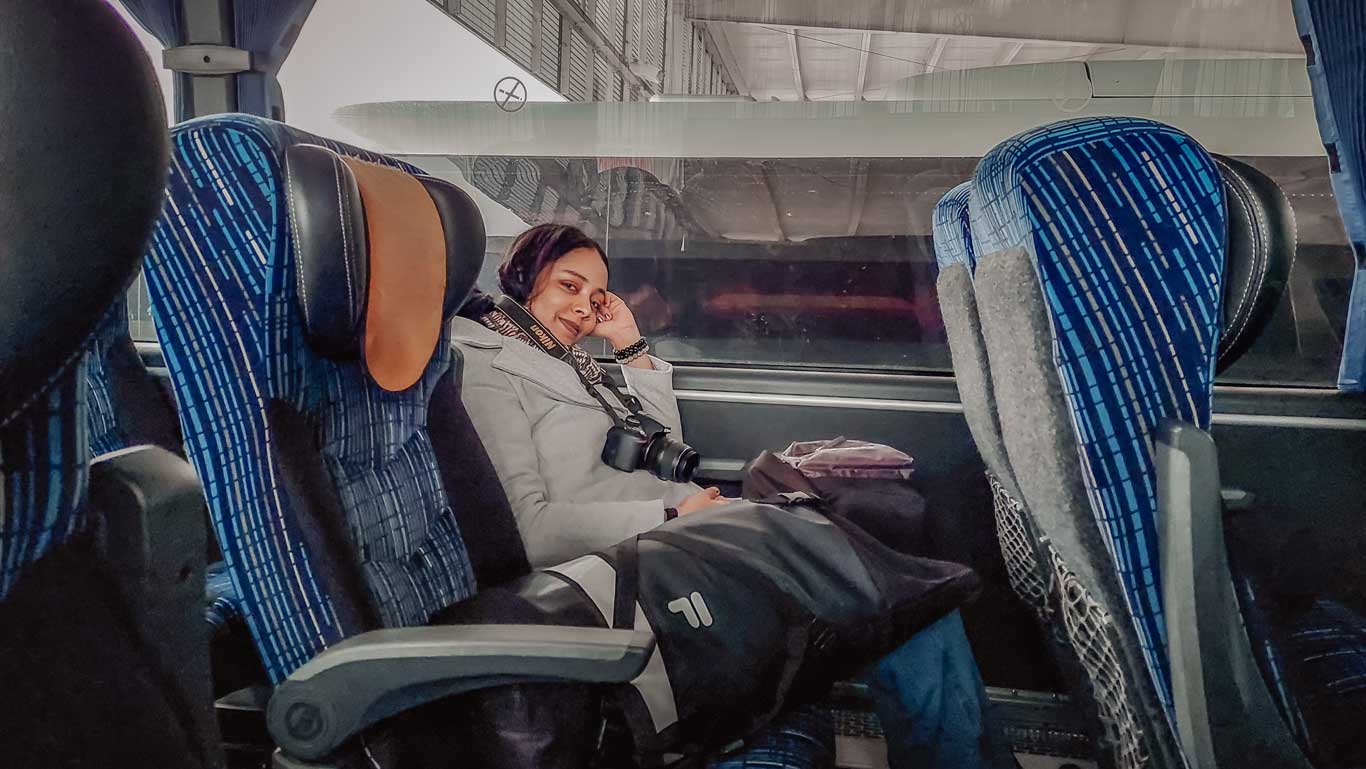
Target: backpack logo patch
x=693, y=608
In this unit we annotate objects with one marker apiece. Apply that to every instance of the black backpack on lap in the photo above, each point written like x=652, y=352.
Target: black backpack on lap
x=755, y=608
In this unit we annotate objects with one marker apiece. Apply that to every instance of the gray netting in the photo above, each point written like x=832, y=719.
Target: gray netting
x=1089, y=633
x=1084, y=632
x=1027, y=578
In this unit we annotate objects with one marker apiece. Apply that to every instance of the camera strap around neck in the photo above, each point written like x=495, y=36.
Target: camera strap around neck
x=541, y=338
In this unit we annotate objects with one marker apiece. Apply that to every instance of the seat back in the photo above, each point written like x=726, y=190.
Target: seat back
x=1333, y=32
x=958, y=306
x=300, y=305
x=1100, y=248
x=57, y=181
x=1260, y=252
x=126, y=405
x=95, y=667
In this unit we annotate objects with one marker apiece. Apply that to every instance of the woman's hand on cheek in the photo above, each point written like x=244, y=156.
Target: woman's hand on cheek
x=616, y=323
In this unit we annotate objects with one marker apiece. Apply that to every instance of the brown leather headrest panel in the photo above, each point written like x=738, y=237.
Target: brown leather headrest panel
x=407, y=274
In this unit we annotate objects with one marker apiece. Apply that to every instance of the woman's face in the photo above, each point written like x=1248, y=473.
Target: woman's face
x=568, y=295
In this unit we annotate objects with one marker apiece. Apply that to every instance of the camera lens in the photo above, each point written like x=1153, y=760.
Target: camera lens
x=674, y=461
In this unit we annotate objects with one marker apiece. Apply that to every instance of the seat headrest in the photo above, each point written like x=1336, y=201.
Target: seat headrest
x=83, y=148
x=952, y=229
x=383, y=258
x=1261, y=249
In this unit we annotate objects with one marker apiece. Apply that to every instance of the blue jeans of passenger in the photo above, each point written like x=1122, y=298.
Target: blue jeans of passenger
x=930, y=699
x=933, y=707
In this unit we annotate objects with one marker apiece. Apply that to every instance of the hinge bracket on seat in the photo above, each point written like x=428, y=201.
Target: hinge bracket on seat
x=204, y=59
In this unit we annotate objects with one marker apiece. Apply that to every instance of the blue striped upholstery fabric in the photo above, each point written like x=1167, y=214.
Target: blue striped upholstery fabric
x=1323, y=649
x=45, y=458
x=222, y=604
x=1312, y=653
x=953, y=228
x=801, y=739
x=1334, y=33
x=105, y=433
x=1124, y=220
x=1253, y=605
x=221, y=274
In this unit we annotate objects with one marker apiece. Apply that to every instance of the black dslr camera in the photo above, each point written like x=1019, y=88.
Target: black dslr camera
x=641, y=443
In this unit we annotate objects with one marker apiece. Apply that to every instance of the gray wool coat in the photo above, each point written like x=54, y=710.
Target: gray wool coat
x=544, y=434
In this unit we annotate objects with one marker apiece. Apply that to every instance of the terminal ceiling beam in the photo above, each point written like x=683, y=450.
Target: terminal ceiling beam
x=767, y=174
x=932, y=63
x=575, y=15
x=1251, y=25
x=714, y=39
x=864, y=50
x=796, y=63
x=858, y=169
x=1008, y=52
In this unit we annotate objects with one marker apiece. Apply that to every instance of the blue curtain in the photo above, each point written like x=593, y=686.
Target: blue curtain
x=267, y=28
x=1334, y=35
x=160, y=17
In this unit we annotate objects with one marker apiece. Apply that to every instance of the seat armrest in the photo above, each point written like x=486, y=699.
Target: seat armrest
x=375, y=675
x=1237, y=500
x=152, y=542
x=1224, y=712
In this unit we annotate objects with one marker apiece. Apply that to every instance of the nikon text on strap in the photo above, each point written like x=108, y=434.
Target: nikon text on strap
x=546, y=341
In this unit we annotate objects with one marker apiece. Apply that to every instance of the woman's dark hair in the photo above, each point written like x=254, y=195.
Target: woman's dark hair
x=530, y=253
x=536, y=249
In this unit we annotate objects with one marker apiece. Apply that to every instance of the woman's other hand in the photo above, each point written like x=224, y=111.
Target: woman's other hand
x=708, y=497
x=616, y=323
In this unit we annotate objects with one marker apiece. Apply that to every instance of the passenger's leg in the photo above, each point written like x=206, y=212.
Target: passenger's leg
x=933, y=706
x=803, y=738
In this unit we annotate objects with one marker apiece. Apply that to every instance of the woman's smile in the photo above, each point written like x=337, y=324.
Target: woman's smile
x=572, y=326
x=569, y=295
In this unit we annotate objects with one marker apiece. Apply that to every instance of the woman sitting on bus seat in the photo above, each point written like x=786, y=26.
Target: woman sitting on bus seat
x=544, y=435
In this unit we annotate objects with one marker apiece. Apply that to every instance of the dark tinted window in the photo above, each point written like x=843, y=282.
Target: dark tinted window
x=824, y=262
x=1303, y=342
x=829, y=262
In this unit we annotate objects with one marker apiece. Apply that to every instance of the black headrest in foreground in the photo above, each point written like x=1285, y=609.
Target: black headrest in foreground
x=332, y=234
x=1261, y=248
x=83, y=147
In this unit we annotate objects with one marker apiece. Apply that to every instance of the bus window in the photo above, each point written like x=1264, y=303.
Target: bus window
x=754, y=219
x=809, y=262
x=139, y=306
x=438, y=59
x=828, y=262
x=153, y=48
x=1303, y=342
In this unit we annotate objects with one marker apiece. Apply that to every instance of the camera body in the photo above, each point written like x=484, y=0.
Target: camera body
x=642, y=443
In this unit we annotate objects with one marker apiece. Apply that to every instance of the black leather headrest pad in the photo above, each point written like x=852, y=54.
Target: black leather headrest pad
x=1261, y=249
x=83, y=147
x=465, y=240
x=331, y=250
x=334, y=235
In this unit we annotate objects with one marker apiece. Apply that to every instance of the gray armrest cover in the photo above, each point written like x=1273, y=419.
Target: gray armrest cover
x=375, y=675
x=1224, y=713
x=153, y=545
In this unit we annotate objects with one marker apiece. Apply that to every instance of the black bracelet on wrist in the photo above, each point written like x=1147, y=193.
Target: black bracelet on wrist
x=631, y=351
x=670, y=513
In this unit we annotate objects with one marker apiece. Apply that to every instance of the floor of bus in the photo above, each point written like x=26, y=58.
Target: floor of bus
x=1043, y=727
x=1044, y=730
